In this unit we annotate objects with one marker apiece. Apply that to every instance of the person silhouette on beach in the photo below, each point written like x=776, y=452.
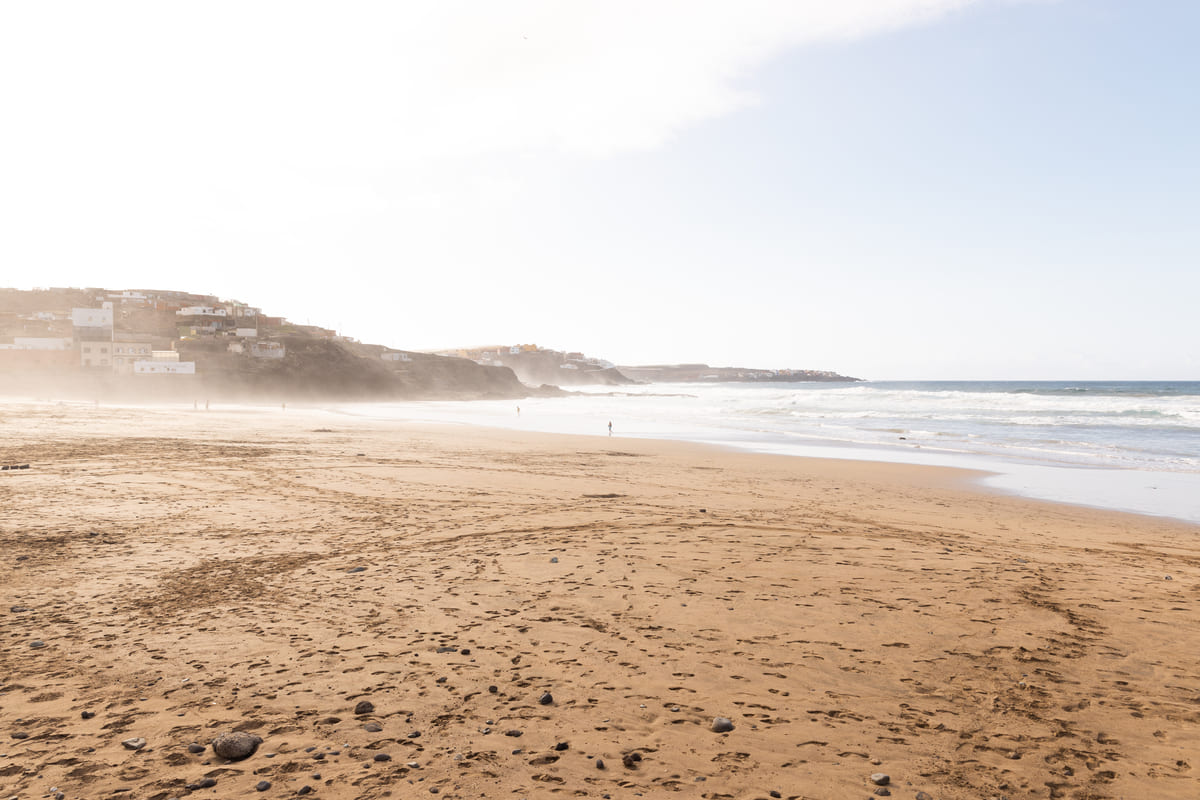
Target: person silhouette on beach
x=610, y=427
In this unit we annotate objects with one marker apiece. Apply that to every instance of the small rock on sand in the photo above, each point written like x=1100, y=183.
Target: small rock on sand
x=364, y=707
x=134, y=744
x=262, y=786
x=924, y=796
x=235, y=745
x=722, y=725
x=195, y=748
x=546, y=699
x=372, y=727
x=881, y=779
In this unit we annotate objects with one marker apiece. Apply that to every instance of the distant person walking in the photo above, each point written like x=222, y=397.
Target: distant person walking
x=610, y=427
x=518, y=411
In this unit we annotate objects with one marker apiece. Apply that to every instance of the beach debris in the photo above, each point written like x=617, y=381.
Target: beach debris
x=136, y=743
x=364, y=707
x=546, y=699
x=1168, y=578
x=881, y=779
x=235, y=745
x=722, y=725
x=413, y=765
x=262, y=786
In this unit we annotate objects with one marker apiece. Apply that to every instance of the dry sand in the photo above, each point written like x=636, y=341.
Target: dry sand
x=193, y=573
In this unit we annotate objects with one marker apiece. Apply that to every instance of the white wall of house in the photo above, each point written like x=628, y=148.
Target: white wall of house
x=268, y=350
x=246, y=333
x=201, y=311
x=92, y=317
x=41, y=343
x=164, y=368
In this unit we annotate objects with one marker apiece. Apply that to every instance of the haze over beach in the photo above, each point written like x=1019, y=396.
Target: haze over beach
x=538, y=399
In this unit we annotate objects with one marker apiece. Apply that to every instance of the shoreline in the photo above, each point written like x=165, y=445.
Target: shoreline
x=187, y=574
x=1120, y=489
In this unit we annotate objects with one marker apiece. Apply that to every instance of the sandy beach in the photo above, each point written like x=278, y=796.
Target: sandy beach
x=403, y=611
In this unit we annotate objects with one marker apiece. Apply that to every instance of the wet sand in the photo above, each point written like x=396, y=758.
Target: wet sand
x=191, y=573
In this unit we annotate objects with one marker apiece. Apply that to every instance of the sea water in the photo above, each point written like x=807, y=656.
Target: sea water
x=1131, y=446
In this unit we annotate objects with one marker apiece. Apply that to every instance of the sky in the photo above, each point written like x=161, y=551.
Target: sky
x=890, y=189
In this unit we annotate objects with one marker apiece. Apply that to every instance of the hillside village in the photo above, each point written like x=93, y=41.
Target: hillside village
x=122, y=342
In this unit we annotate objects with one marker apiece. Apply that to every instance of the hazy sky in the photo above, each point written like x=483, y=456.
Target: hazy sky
x=886, y=188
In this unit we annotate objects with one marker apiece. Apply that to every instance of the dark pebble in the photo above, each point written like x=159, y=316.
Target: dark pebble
x=262, y=786
x=447, y=649
x=562, y=746
x=86, y=714
x=206, y=783
x=493, y=689
x=629, y=761
x=924, y=796
x=20, y=735
x=372, y=727
x=883, y=791
x=357, y=569
x=466, y=651
x=722, y=725
x=554, y=560
x=316, y=776
x=382, y=757
x=434, y=790
x=415, y=735
x=514, y=733
x=37, y=643
x=440, y=680
x=599, y=763
x=364, y=707
x=18, y=609
x=319, y=756
x=775, y=794
x=305, y=789
x=195, y=748
x=546, y=699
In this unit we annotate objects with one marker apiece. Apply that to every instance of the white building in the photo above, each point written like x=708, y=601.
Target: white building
x=267, y=350
x=92, y=317
x=201, y=311
x=41, y=343
x=246, y=333
x=393, y=356
x=126, y=352
x=164, y=368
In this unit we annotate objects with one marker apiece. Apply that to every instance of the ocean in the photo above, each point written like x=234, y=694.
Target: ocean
x=1132, y=446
